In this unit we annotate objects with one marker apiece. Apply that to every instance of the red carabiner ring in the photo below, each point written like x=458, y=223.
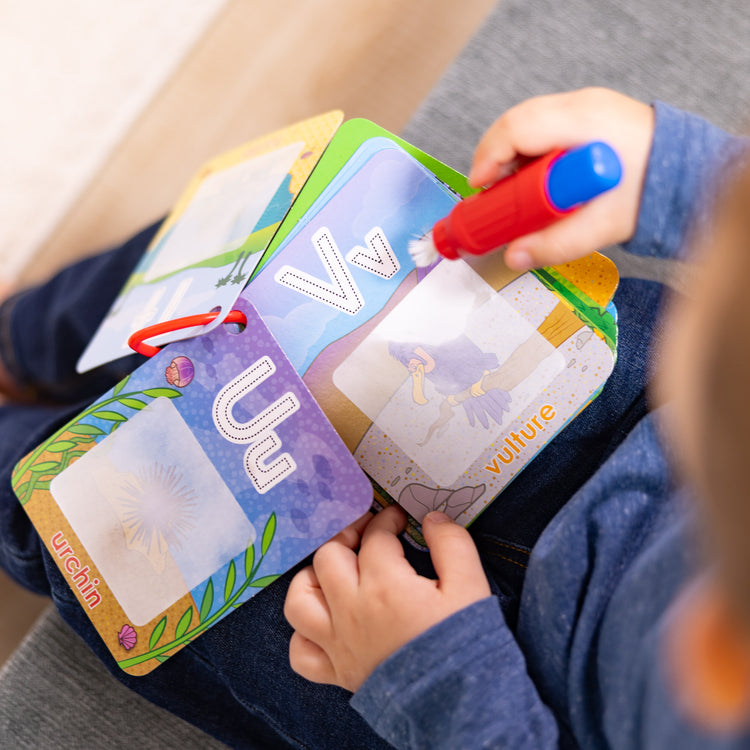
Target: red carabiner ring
x=137, y=339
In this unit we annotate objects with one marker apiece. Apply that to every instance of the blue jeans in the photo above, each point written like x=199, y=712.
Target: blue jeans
x=235, y=682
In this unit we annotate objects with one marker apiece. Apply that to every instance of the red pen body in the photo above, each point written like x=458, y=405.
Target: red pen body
x=512, y=207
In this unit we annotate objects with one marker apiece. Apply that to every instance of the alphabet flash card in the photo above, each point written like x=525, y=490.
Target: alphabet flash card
x=191, y=485
x=238, y=449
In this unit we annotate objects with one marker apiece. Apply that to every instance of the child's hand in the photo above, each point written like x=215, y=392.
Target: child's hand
x=544, y=123
x=350, y=610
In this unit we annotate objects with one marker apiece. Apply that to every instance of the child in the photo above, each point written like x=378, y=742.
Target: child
x=596, y=658
x=508, y=647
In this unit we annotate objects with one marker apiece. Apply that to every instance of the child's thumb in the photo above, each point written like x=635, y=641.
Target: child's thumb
x=577, y=235
x=454, y=556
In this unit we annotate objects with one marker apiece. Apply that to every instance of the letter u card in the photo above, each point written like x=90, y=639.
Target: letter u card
x=189, y=487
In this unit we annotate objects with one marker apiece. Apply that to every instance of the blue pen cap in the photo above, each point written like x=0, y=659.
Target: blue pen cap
x=582, y=173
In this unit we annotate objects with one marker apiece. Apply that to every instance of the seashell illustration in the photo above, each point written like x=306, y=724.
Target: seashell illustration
x=127, y=637
x=180, y=372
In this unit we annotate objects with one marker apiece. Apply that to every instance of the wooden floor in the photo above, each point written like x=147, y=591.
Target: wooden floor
x=259, y=66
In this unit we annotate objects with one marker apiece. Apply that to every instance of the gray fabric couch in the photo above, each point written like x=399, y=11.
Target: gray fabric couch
x=692, y=53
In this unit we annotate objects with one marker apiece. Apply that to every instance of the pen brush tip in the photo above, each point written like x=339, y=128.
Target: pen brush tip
x=423, y=251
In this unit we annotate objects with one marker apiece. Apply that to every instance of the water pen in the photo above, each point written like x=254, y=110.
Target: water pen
x=539, y=193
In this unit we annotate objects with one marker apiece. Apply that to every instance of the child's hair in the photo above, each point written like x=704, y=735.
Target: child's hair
x=724, y=392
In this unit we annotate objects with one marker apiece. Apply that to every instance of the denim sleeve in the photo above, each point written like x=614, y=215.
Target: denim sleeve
x=687, y=155
x=463, y=683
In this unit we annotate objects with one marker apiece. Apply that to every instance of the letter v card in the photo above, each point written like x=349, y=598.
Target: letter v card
x=187, y=488
x=345, y=263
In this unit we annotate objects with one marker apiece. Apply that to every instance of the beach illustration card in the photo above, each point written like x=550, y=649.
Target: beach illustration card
x=189, y=487
x=215, y=236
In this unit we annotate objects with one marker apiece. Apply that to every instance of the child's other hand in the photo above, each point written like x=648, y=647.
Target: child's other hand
x=544, y=123
x=350, y=610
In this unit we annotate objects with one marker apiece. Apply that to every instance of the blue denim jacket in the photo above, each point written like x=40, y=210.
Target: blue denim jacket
x=583, y=667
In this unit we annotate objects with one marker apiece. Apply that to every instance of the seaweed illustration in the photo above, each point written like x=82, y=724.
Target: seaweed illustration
x=67, y=443
x=232, y=593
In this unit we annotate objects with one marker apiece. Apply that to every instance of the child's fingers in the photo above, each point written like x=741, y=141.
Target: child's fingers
x=310, y=661
x=380, y=541
x=454, y=557
x=495, y=157
x=587, y=230
x=336, y=564
x=305, y=606
x=539, y=125
x=337, y=569
x=531, y=128
x=351, y=536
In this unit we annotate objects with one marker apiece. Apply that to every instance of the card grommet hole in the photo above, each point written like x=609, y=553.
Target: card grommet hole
x=137, y=340
x=231, y=325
